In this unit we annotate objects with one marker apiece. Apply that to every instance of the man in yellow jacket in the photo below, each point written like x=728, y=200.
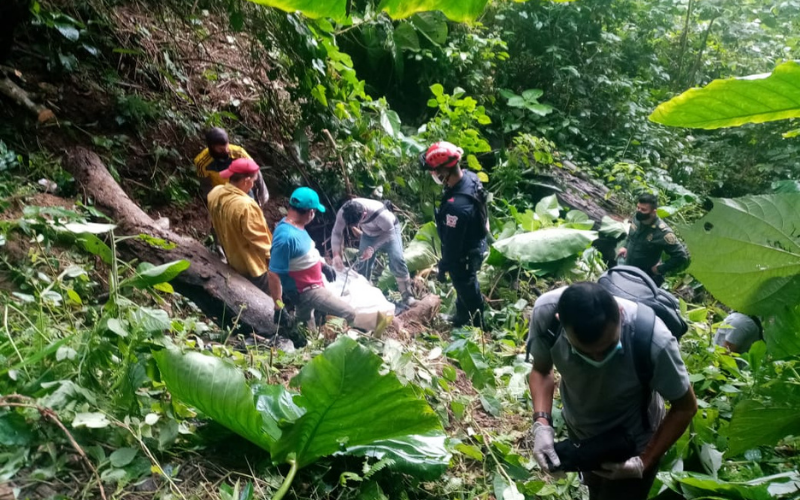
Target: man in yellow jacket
x=217, y=157
x=239, y=222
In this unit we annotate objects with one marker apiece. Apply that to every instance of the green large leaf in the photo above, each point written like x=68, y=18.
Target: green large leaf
x=756, y=423
x=547, y=208
x=782, y=334
x=613, y=228
x=148, y=275
x=747, y=254
x=736, y=101
x=351, y=408
x=456, y=10
x=545, y=245
x=424, y=250
x=335, y=9
x=693, y=485
x=785, y=186
x=472, y=361
x=218, y=389
x=432, y=25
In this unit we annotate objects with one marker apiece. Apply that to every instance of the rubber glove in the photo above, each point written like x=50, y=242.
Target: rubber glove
x=632, y=468
x=544, y=438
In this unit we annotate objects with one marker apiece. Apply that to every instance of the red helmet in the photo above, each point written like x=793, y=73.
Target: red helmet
x=441, y=154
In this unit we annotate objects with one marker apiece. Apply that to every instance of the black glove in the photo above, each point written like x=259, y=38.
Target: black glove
x=329, y=272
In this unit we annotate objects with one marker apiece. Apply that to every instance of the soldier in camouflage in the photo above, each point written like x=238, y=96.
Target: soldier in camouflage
x=648, y=238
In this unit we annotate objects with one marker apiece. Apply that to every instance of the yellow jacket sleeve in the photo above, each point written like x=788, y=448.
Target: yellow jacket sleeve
x=255, y=230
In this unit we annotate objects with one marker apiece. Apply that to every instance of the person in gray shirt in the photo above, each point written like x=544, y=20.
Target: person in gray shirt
x=600, y=389
x=380, y=231
x=738, y=332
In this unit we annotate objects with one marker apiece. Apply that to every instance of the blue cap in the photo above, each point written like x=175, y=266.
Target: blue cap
x=306, y=199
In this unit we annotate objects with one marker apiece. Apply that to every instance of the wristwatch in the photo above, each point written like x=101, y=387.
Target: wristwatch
x=543, y=414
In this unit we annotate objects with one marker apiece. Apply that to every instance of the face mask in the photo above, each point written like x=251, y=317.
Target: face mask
x=438, y=180
x=641, y=216
x=595, y=363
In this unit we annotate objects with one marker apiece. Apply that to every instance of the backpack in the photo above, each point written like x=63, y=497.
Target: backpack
x=387, y=206
x=631, y=283
x=481, y=201
x=628, y=282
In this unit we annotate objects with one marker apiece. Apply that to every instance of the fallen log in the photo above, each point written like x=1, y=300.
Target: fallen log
x=219, y=291
x=19, y=96
x=415, y=319
x=579, y=191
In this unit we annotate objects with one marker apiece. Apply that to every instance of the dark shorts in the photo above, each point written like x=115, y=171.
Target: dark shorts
x=262, y=282
x=628, y=489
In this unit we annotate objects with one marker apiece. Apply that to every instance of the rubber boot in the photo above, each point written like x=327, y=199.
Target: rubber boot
x=404, y=285
x=376, y=322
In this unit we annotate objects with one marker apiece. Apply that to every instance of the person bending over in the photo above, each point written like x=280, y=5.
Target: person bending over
x=587, y=334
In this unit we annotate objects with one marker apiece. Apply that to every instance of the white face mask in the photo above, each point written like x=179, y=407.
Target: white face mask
x=438, y=180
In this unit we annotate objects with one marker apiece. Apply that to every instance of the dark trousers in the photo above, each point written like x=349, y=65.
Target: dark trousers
x=262, y=282
x=619, y=489
x=469, y=300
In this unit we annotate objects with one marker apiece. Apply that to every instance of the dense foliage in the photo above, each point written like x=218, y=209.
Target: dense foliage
x=101, y=381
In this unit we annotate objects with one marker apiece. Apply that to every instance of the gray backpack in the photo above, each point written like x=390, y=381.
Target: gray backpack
x=628, y=282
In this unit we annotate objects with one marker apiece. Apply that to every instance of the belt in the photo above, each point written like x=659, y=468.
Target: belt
x=310, y=287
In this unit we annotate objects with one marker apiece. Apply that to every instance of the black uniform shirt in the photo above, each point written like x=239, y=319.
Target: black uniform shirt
x=458, y=220
x=646, y=242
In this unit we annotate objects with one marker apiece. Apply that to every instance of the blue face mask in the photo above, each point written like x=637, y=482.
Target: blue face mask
x=597, y=364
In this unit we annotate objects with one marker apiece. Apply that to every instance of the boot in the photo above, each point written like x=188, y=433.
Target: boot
x=376, y=322
x=404, y=285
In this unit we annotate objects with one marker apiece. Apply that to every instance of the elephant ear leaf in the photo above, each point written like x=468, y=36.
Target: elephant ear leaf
x=545, y=245
x=736, y=101
x=424, y=249
x=218, y=389
x=756, y=238
x=350, y=408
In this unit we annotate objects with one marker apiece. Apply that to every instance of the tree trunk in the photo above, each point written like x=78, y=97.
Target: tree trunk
x=15, y=93
x=691, y=82
x=219, y=291
x=580, y=192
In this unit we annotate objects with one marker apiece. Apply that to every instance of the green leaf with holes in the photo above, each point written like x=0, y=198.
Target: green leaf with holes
x=746, y=252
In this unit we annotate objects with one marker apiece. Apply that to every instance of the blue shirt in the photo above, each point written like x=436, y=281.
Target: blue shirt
x=294, y=257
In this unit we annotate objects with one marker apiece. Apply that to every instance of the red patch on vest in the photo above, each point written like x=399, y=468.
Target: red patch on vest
x=451, y=200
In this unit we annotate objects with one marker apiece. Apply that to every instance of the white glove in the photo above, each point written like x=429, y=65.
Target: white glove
x=338, y=263
x=544, y=446
x=632, y=468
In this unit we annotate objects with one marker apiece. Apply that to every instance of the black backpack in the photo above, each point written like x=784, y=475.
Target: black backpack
x=631, y=283
x=481, y=201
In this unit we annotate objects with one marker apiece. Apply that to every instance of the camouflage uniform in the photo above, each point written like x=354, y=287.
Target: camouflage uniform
x=646, y=243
